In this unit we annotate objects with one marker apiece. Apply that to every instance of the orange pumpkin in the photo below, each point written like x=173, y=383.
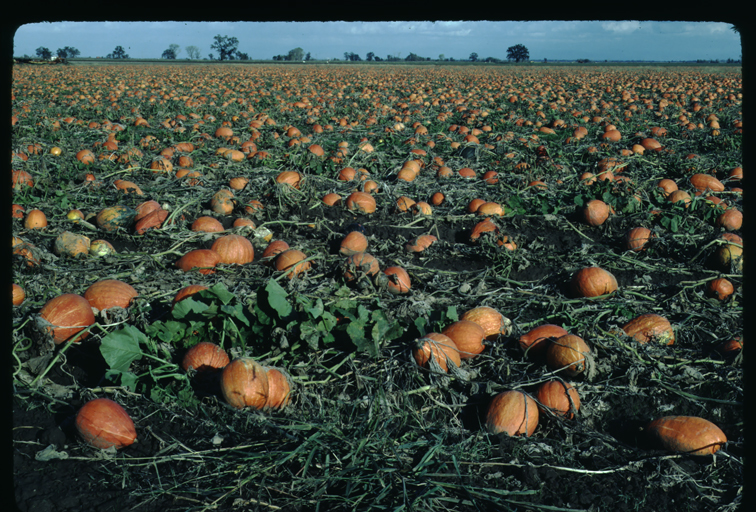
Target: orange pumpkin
x=203, y=259
x=67, y=315
x=234, y=249
x=244, y=383
x=537, y=340
x=398, y=280
x=279, y=389
x=686, y=434
x=292, y=259
x=513, y=413
x=567, y=354
x=205, y=356
x=468, y=336
x=102, y=423
x=494, y=324
x=592, y=282
x=438, y=347
x=361, y=202
x=650, y=327
x=108, y=293
x=558, y=397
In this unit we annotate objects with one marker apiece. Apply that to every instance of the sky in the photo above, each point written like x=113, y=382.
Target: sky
x=552, y=40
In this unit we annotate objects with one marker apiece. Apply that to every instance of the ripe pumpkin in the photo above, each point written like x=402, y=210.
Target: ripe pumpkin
x=35, y=219
x=439, y=347
x=113, y=217
x=204, y=357
x=145, y=208
x=186, y=292
x=637, y=238
x=398, y=280
x=730, y=220
x=274, y=248
x=686, y=434
x=361, y=202
x=204, y=259
x=279, y=389
x=21, y=179
x=244, y=383
x=101, y=248
x=703, y=182
x=729, y=257
x=291, y=178
x=420, y=243
x=592, y=282
x=360, y=263
x=108, y=293
x=537, y=340
x=292, y=259
x=650, y=327
x=595, y=212
x=152, y=220
x=71, y=244
x=234, y=249
x=468, y=336
x=719, y=288
x=332, y=199
x=128, y=187
x=207, y=224
x=18, y=294
x=103, y=423
x=352, y=243
x=567, y=354
x=513, y=413
x=558, y=397
x=222, y=202
x=494, y=324
x=67, y=315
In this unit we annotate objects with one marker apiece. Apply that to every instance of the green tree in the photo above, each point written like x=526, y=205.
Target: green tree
x=441, y=57
x=226, y=46
x=370, y=56
x=172, y=52
x=44, y=53
x=517, y=53
x=473, y=57
x=67, y=53
x=118, y=53
x=296, y=54
x=193, y=52
x=308, y=56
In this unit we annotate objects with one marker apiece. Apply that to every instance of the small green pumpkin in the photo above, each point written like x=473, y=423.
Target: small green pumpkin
x=114, y=217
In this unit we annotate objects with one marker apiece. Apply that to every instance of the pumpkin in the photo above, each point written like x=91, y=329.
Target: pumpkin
x=109, y=293
x=332, y=199
x=128, y=187
x=592, y=282
x=71, y=244
x=292, y=259
x=274, y=248
x=567, y=354
x=680, y=196
x=667, y=186
x=66, y=316
x=705, y=182
x=404, y=203
x=719, y=288
x=102, y=423
x=204, y=259
x=18, y=211
x=361, y=202
x=161, y=164
x=490, y=208
x=558, y=397
x=438, y=347
x=421, y=208
x=222, y=202
x=686, y=434
x=21, y=179
x=537, y=340
x=513, y=413
x=360, y=263
x=398, y=280
x=290, y=178
x=204, y=357
x=113, y=217
x=493, y=323
x=244, y=383
x=154, y=219
x=650, y=327
x=468, y=336
x=186, y=292
x=207, y=224
x=234, y=249
x=595, y=212
x=730, y=220
x=18, y=294
x=35, y=219
x=279, y=389
x=484, y=226
x=636, y=239
x=353, y=243
x=145, y=208
x=420, y=243
x=729, y=257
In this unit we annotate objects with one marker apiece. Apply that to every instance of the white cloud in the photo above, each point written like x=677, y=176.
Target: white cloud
x=621, y=27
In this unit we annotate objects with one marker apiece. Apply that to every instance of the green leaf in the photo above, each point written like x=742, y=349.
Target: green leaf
x=451, y=313
x=420, y=323
x=127, y=379
x=168, y=332
x=220, y=291
x=236, y=311
x=277, y=298
x=121, y=348
x=188, y=306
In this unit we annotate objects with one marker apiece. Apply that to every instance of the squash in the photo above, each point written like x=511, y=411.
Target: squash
x=71, y=244
x=567, y=354
x=558, y=397
x=102, y=423
x=438, y=347
x=686, y=434
x=244, y=383
x=467, y=336
x=513, y=413
x=537, y=340
x=108, y=293
x=66, y=316
x=650, y=327
x=494, y=324
x=234, y=249
x=113, y=217
x=279, y=389
x=592, y=282
x=204, y=259
x=292, y=259
x=205, y=357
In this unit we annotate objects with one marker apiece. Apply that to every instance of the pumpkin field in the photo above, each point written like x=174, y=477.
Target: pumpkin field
x=377, y=287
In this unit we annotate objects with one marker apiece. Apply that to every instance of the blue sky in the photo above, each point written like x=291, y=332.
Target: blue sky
x=553, y=40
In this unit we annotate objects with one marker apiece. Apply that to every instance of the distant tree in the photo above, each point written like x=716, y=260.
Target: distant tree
x=413, y=57
x=192, y=52
x=517, y=53
x=226, y=46
x=308, y=56
x=210, y=56
x=441, y=57
x=492, y=59
x=118, y=53
x=68, y=52
x=370, y=56
x=377, y=58
x=242, y=56
x=171, y=52
x=473, y=57
x=296, y=54
x=44, y=53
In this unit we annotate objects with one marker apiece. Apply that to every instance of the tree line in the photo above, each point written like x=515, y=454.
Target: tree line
x=227, y=48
